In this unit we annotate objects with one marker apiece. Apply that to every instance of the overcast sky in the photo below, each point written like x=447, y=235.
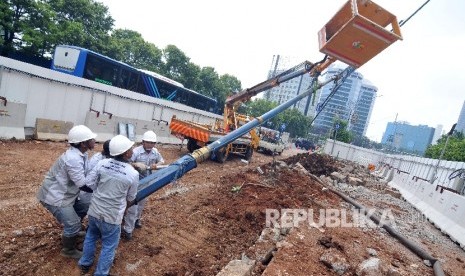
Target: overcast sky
x=420, y=78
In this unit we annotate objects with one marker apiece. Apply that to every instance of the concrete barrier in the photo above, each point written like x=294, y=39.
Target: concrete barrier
x=445, y=210
x=12, y=117
x=102, y=124
x=53, y=130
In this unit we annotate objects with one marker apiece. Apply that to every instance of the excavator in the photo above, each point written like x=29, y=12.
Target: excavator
x=357, y=33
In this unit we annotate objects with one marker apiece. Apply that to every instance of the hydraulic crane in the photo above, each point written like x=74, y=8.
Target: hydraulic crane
x=357, y=33
x=201, y=134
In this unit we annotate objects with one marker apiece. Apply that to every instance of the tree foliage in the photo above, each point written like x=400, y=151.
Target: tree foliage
x=342, y=134
x=295, y=122
x=14, y=20
x=131, y=48
x=84, y=23
x=454, y=151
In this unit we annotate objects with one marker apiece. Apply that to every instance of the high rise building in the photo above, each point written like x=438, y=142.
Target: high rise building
x=461, y=122
x=405, y=137
x=353, y=102
x=289, y=89
x=437, y=134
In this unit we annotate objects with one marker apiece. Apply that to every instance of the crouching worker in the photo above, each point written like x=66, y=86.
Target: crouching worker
x=61, y=186
x=145, y=158
x=114, y=182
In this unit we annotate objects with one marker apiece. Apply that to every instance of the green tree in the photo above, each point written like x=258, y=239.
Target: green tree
x=228, y=85
x=37, y=26
x=296, y=123
x=129, y=47
x=14, y=16
x=361, y=141
x=455, y=150
x=39, y=40
x=176, y=63
x=342, y=134
x=83, y=23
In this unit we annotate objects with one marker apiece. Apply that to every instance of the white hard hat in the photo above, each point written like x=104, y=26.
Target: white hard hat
x=80, y=133
x=119, y=145
x=149, y=136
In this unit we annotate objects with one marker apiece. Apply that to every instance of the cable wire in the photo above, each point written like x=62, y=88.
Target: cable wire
x=402, y=22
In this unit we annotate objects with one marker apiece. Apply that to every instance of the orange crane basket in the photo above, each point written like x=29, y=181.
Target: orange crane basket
x=358, y=32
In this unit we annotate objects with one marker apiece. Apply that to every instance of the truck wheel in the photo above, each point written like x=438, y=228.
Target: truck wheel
x=192, y=145
x=221, y=155
x=248, y=153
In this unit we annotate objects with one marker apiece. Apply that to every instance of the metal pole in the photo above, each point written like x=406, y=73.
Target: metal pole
x=334, y=141
x=433, y=176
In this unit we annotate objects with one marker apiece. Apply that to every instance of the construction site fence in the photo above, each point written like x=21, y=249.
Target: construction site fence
x=45, y=104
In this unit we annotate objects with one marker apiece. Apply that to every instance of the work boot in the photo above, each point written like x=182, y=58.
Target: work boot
x=138, y=224
x=126, y=235
x=84, y=269
x=69, y=248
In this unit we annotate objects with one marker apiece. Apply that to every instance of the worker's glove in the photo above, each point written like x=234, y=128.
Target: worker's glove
x=86, y=189
x=140, y=167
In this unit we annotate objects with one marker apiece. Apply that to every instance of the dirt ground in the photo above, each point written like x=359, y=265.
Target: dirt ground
x=217, y=213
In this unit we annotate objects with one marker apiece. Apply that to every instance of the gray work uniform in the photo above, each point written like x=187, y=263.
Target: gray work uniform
x=85, y=197
x=148, y=158
x=60, y=189
x=114, y=183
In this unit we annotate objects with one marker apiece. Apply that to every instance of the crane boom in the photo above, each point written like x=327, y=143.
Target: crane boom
x=248, y=93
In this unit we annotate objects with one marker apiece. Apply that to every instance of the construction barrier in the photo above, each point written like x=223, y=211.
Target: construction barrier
x=53, y=130
x=12, y=119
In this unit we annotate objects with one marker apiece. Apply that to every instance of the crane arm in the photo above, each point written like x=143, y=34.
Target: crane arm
x=248, y=93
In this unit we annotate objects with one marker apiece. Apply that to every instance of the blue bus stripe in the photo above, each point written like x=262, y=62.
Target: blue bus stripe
x=154, y=85
x=172, y=95
x=148, y=86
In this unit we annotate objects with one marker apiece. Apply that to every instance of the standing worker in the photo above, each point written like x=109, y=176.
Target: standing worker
x=145, y=158
x=114, y=182
x=61, y=186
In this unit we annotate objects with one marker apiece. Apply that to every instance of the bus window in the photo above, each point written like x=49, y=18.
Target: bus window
x=133, y=80
x=123, y=79
x=182, y=97
x=141, y=88
x=100, y=70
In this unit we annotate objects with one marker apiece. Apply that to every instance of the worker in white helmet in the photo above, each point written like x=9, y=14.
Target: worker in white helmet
x=114, y=182
x=60, y=188
x=145, y=158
